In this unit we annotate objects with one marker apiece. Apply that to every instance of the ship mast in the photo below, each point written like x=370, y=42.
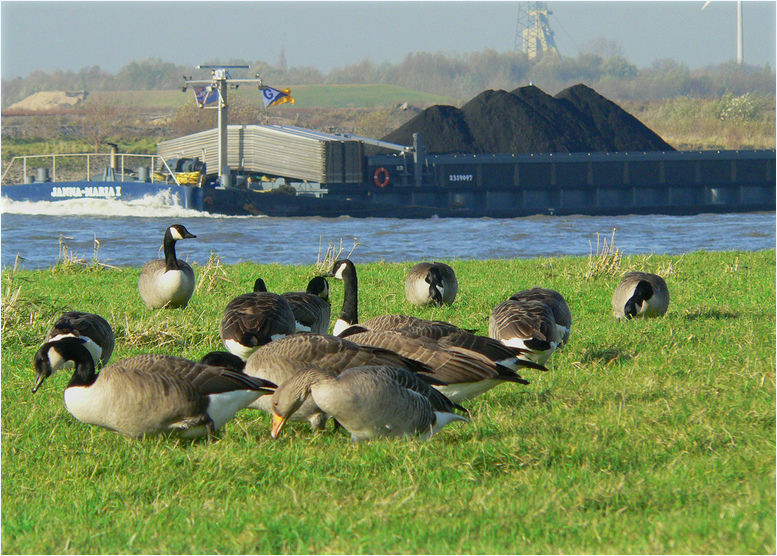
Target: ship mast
x=221, y=81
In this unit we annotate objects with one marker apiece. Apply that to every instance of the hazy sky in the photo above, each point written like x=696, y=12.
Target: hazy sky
x=39, y=35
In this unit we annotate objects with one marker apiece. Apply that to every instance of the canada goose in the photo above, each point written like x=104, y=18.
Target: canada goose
x=280, y=360
x=463, y=374
x=344, y=269
x=558, y=306
x=254, y=319
x=311, y=308
x=149, y=394
x=168, y=283
x=431, y=283
x=528, y=325
x=97, y=332
x=640, y=294
x=369, y=402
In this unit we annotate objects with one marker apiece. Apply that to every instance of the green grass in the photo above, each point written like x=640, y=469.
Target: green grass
x=652, y=436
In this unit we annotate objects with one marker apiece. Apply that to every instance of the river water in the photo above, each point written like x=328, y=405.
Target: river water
x=131, y=233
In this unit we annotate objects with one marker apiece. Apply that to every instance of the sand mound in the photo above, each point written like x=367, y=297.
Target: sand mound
x=50, y=100
x=527, y=120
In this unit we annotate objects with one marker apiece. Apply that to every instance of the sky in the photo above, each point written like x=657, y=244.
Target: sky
x=65, y=35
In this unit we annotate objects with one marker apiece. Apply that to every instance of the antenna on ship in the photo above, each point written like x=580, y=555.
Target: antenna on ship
x=213, y=90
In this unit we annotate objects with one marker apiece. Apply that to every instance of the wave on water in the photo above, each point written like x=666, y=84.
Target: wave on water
x=160, y=205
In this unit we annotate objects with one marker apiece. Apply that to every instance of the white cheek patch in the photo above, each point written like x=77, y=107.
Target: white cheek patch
x=57, y=362
x=340, y=326
x=175, y=233
x=95, y=350
x=339, y=272
x=236, y=348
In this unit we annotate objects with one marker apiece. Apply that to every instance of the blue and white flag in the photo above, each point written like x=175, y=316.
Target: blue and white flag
x=204, y=96
x=273, y=97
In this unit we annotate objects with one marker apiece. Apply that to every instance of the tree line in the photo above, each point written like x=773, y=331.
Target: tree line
x=459, y=76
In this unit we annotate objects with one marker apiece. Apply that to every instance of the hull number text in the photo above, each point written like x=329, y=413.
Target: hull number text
x=461, y=177
x=99, y=191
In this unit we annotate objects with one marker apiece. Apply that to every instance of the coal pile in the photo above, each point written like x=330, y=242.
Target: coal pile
x=527, y=120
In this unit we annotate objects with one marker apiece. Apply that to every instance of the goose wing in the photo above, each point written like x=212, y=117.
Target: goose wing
x=254, y=318
x=310, y=311
x=370, y=403
x=447, y=365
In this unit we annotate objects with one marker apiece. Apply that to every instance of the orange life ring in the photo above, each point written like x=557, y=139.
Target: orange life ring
x=381, y=177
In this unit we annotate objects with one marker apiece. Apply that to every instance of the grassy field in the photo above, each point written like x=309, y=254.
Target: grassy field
x=652, y=436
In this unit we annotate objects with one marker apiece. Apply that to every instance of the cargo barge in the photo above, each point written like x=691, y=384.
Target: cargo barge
x=289, y=171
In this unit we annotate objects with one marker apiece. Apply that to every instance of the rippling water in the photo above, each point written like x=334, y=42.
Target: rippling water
x=132, y=234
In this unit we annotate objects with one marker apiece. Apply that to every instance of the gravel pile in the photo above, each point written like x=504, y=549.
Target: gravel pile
x=527, y=120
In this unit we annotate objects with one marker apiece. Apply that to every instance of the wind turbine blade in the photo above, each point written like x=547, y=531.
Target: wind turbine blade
x=707, y=3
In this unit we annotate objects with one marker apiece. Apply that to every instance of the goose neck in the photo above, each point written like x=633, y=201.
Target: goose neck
x=350, y=311
x=171, y=260
x=84, y=373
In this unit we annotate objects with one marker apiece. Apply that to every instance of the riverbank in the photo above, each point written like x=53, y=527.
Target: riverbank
x=647, y=436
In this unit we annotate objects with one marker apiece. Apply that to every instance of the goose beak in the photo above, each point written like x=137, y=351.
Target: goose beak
x=39, y=378
x=277, y=425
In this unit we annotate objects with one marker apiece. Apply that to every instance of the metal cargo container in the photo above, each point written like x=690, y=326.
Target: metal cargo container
x=287, y=151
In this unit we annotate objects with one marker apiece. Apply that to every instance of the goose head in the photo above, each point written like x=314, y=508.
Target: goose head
x=642, y=292
x=53, y=356
x=436, y=287
x=260, y=286
x=178, y=231
x=290, y=395
x=225, y=360
x=319, y=286
x=343, y=268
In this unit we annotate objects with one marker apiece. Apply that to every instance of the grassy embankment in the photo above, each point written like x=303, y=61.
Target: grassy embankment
x=685, y=123
x=649, y=436
x=305, y=96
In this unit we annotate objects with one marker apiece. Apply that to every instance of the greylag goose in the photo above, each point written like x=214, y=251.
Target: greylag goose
x=369, y=402
x=169, y=282
x=280, y=360
x=149, y=394
x=640, y=294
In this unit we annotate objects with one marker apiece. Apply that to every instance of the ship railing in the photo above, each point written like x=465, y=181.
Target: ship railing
x=85, y=167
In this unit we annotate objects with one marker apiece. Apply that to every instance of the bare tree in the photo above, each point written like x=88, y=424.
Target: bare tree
x=189, y=118
x=101, y=119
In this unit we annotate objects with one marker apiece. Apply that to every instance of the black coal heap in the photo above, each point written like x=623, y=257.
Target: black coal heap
x=527, y=120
